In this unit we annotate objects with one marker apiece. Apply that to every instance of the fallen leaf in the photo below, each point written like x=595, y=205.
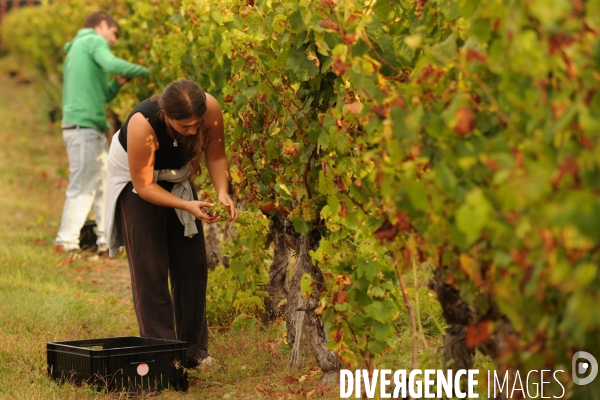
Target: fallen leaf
x=261, y=389
x=66, y=262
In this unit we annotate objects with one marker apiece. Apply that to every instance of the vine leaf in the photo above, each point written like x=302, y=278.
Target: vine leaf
x=386, y=232
x=465, y=121
x=479, y=333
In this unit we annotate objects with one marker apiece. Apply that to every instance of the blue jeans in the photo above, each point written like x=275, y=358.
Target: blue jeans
x=87, y=151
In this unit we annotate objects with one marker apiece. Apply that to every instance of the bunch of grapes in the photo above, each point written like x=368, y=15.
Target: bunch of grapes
x=218, y=210
x=308, y=210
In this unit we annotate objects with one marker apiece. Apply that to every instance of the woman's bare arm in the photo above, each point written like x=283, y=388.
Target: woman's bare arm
x=141, y=145
x=216, y=159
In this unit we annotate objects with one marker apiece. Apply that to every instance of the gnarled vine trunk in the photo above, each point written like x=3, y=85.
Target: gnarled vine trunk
x=459, y=317
x=214, y=234
x=278, y=269
x=301, y=318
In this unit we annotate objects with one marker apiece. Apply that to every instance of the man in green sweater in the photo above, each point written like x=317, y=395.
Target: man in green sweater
x=86, y=91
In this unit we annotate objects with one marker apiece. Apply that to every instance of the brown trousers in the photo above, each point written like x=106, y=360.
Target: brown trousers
x=158, y=252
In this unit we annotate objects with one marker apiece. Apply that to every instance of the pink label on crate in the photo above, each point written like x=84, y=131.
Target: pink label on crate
x=143, y=369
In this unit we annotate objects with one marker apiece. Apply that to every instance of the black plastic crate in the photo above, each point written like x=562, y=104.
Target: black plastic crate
x=131, y=363
x=87, y=235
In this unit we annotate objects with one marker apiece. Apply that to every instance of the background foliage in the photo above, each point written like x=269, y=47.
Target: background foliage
x=459, y=131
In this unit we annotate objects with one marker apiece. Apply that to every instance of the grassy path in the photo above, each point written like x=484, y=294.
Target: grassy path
x=45, y=296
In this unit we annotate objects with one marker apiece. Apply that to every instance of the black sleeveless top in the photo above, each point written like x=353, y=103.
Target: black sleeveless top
x=167, y=156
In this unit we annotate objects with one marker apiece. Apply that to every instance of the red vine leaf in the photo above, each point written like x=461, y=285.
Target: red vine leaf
x=338, y=335
x=327, y=24
x=343, y=210
x=386, y=232
x=493, y=165
x=519, y=257
x=478, y=333
x=474, y=55
x=343, y=280
x=465, y=121
x=291, y=150
x=586, y=142
x=339, y=67
x=568, y=166
x=404, y=222
x=349, y=38
x=328, y=3
x=340, y=297
x=339, y=183
x=268, y=207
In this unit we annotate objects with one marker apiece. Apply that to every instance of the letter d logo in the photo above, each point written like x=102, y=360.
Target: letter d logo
x=584, y=367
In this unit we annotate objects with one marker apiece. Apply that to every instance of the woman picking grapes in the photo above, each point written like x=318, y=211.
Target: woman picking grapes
x=154, y=212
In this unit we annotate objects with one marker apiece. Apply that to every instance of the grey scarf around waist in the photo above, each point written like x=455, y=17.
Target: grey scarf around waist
x=183, y=190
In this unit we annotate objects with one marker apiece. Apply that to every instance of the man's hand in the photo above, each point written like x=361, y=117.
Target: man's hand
x=121, y=80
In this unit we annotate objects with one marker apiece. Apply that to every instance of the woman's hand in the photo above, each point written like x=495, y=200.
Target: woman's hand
x=195, y=208
x=230, y=205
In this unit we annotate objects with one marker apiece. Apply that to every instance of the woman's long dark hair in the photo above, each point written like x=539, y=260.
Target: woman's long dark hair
x=182, y=100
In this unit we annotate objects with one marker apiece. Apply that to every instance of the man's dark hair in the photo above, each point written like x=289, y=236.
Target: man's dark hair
x=94, y=19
